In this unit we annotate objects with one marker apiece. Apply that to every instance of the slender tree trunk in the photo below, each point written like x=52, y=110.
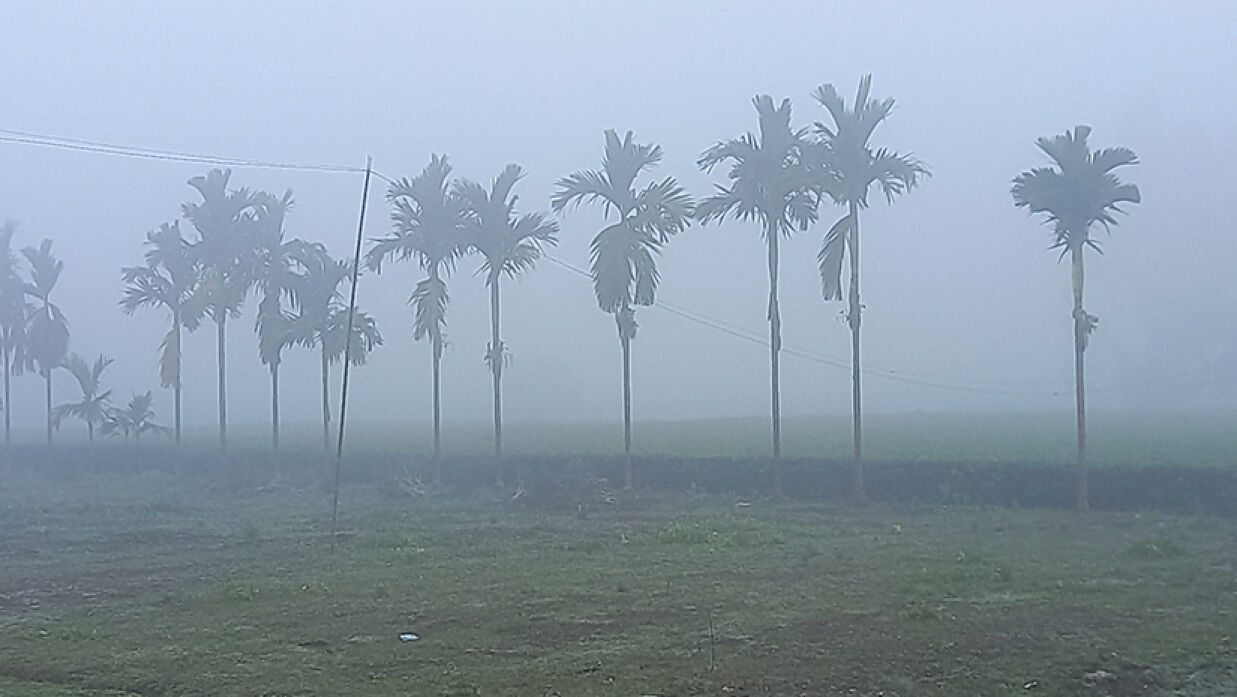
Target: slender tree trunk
x=326, y=403
x=275, y=411
x=1081, y=328
x=90, y=432
x=626, y=342
x=176, y=384
x=496, y=368
x=437, y=367
x=47, y=376
x=8, y=399
x=221, y=354
x=775, y=348
x=856, y=312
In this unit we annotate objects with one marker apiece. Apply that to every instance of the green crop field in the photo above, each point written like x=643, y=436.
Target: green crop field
x=149, y=583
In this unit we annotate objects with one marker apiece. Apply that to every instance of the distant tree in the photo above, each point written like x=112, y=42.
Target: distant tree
x=166, y=280
x=93, y=407
x=225, y=221
x=47, y=332
x=624, y=254
x=1075, y=196
x=509, y=245
x=426, y=226
x=15, y=311
x=853, y=168
x=278, y=274
x=773, y=181
x=134, y=420
x=321, y=321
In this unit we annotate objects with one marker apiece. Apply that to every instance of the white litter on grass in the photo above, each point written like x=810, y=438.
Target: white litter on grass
x=408, y=636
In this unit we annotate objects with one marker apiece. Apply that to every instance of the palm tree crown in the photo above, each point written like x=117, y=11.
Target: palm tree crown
x=1080, y=192
x=92, y=408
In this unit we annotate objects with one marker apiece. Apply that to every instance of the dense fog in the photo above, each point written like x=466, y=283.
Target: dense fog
x=965, y=308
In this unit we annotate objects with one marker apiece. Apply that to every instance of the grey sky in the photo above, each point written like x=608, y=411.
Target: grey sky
x=958, y=286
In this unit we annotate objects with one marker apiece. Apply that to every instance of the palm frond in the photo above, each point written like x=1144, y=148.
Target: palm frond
x=829, y=258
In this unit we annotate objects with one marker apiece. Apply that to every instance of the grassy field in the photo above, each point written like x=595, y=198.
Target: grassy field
x=151, y=584
x=1195, y=439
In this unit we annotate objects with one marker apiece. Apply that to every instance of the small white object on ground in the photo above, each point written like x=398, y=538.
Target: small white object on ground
x=408, y=636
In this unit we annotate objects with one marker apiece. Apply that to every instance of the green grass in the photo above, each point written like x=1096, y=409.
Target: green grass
x=1194, y=439
x=145, y=584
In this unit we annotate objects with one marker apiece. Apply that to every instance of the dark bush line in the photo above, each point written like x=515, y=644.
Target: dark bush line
x=1162, y=488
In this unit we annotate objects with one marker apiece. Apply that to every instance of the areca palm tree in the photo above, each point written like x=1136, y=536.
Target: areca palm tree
x=47, y=332
x=278, y=275
x=92, y=408
x=773, y=182
x=166, y=280
x=853, y=169
x=14, y=313
x=320, y=321
x=133, y=420
x=225, y=221
x=426, y=226
x=509, y=244
x=623, y=255
x=1075, y=196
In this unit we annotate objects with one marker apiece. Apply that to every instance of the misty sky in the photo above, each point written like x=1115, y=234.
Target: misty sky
x=958, y=285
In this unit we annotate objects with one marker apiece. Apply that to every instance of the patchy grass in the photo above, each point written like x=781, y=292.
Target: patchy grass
x=146, y=584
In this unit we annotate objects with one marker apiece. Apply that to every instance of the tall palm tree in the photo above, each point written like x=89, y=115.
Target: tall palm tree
x=133, y=420
x=426, y=226
x=1080, y=192
x=853, y=168
x=92, y=408
x=773, y=182
x=623, y=255
x=166, y=280
x=14, y=314
x=278, y=274
x=225, y=221
x=320, y=320
x=47, y=332
x=509, y=245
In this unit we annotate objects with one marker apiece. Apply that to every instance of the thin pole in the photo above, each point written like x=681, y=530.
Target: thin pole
x=343, y=393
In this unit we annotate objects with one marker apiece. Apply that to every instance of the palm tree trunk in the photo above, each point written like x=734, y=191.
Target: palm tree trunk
x=176, y=385
x=775, y=348
x=8, y=400
x=275, y=413
x=856, y=311
x=437, y=366
x=1081, y=329
x=496, y=367
x=90, y=432
x=326, y=403
x=626, y=341
x=221, y=354
x=47, y=375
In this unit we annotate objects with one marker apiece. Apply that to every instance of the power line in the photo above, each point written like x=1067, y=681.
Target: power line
x=884, y=373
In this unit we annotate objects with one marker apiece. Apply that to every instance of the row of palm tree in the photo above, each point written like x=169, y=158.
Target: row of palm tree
x=779, y=176
x=35, y=336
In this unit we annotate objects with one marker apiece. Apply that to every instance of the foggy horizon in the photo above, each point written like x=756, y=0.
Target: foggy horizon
x=959, y=287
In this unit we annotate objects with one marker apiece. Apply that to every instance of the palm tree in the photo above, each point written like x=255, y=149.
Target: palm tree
x=47, y=332
x=773, y=181
x=93, y=407
x=278, y=274
x=427, y=222
x=509, y=245
x=1079, y=193
x=14, y=314
x=134, y=420
x=321, y=321
x=624, y=254
x=853, y=167
x=166, y=280
x=224, y=252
